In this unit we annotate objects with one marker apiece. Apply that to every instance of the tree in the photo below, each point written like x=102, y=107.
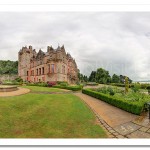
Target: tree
x=92, y=77
x=126, y=85
x=115, y=78
x=102, y=76
x=8, y=67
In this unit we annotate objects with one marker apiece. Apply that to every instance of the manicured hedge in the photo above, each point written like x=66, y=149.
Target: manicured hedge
x=12, y=83
x=132, y=107
x=73, y=88
x=37, y=84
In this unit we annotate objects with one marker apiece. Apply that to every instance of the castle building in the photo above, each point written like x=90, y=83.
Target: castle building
x=53, y=65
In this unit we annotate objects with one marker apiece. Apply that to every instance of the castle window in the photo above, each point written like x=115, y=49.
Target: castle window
x=27, y=73
x=39, y=71
x=36, y=71
x=49, y=68
x=32, y=72
x=42, y=70
x=52, y=68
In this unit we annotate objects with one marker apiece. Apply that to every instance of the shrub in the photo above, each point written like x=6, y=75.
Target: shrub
x=136, y=87
x=63, y=84
x=130, y=106
x=11, y=83
x=148, y=88
x=19, y=80
x=51, y=83
x=111, y=91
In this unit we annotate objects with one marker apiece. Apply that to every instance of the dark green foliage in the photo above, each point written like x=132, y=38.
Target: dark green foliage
x=62, y=83
x=92, y=77
x=8, y=67
x=19, y=79
x=134, y=107
x=126, y=85
x=148, y=88
x=115, y=78
x=122, y=79
x=102, y=76
x=82, y=78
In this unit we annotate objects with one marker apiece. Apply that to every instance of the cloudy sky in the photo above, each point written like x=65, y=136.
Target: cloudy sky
x=118, y=42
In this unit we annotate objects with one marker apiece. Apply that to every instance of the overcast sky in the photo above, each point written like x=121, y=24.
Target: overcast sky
x=118, y=42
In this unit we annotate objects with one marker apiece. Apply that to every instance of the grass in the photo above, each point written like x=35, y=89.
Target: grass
x=47, y=116
x=42, y=89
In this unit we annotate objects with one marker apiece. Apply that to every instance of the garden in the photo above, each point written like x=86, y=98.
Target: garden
x=133, y=100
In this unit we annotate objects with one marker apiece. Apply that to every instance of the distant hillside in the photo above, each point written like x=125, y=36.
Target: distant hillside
x=8, y=67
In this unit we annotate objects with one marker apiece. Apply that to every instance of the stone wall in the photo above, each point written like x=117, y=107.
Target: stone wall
x=8, y=77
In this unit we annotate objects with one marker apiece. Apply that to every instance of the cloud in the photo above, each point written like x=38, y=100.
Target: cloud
x=118, y=42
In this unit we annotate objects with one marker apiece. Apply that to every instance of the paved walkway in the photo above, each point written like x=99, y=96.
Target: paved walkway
x=118, y=123
x=20, y=91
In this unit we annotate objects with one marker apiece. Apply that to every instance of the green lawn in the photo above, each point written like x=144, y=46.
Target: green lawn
x=47, y=116
x=42, y=89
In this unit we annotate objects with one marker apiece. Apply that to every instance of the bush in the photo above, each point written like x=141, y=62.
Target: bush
x=148, y=88
x=111, y=91
x=130, y=106
x=42, y=84
x=63, y=84
x=51, y=83
x=136, y=87
x=19, y=80
x=11, y=83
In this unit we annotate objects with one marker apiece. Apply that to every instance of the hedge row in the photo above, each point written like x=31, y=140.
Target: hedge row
x=12, y=83
x=37, y=84
x=73, y=88
x=132, y=107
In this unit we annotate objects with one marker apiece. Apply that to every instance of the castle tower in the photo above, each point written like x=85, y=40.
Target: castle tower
x=24, y=57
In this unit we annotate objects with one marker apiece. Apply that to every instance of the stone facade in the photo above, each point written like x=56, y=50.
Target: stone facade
x=53, y=65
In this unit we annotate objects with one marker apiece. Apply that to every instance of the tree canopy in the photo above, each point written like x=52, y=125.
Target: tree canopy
x=8, y=67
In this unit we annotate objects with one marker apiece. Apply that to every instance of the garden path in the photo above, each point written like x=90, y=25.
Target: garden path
x=118, y=123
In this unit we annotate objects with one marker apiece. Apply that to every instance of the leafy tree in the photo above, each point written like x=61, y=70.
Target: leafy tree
x=122, y=79
x=115, y=78
x=8, y=67
x=126, y=85
x=92, y=77
x=102, y=76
